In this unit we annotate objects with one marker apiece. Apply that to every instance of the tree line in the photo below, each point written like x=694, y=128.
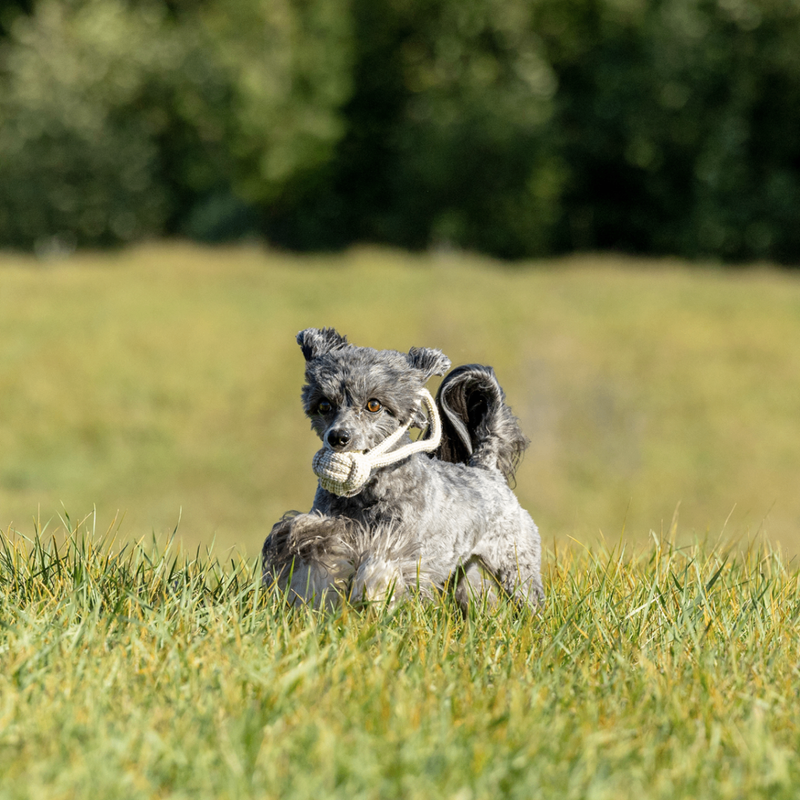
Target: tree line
x=518, y=128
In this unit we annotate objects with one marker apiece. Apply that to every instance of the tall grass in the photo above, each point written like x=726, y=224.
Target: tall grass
x=141, y=670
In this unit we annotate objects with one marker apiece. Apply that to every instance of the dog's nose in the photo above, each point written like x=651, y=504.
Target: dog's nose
x=338, y=438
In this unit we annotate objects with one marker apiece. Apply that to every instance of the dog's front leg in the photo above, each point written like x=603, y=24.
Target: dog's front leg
x=379, y=581
x=305, y=557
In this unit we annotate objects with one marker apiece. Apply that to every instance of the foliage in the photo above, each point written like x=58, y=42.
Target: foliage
x=676, y=120
x=446, y=132
x=78, y=154
x=137, y=672
x=286, y=68
x=122, y=122
x=515, y=128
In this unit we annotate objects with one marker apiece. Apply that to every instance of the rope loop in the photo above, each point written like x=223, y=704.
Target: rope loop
x=345, y=474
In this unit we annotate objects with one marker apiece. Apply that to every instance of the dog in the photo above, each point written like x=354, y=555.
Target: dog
x=391, y=514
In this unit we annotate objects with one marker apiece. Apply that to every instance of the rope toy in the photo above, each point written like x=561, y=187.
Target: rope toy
x=346, y=473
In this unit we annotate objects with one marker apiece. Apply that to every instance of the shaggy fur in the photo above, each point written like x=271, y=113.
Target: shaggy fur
x=425, y=521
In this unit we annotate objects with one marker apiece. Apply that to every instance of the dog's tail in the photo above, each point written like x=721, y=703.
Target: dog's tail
x=478, y=427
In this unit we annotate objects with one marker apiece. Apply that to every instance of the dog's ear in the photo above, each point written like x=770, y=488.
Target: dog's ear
x=316, y=342
x=428, y=361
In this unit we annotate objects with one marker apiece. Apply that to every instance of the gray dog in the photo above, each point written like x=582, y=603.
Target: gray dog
x=391, y=514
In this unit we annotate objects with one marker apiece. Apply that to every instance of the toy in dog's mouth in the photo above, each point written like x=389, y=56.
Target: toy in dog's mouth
x=346, y=473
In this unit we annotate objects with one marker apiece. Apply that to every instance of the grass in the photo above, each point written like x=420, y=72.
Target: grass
x=164, y=382
x=142, y=671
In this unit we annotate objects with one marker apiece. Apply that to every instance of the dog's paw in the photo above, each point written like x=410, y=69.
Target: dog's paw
x=378, y=581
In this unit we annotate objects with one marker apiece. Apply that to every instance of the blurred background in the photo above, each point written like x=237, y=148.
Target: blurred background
x=517, y=128
x=600, y=198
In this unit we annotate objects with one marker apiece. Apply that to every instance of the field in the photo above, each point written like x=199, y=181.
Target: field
x=150, y=433
x=160, y=386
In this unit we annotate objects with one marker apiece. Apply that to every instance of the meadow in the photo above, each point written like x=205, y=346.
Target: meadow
x=150, y=433
x=160, y=386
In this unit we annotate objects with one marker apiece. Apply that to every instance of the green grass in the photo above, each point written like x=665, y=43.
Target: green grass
x=164, y=382
x=138, y=672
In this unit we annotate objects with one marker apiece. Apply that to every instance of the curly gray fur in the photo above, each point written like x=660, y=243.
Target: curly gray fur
x=423, y=521
x=330, y=558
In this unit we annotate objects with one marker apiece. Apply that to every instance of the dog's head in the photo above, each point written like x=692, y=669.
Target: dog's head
x=356, y=396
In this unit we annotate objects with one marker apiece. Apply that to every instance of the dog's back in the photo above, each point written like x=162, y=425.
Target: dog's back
x=479, y=429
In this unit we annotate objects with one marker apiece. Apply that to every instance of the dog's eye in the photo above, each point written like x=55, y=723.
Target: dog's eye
x=374, y=406
x=324, y=406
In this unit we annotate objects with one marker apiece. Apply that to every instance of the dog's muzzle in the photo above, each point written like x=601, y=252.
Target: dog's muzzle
x=345, y=474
